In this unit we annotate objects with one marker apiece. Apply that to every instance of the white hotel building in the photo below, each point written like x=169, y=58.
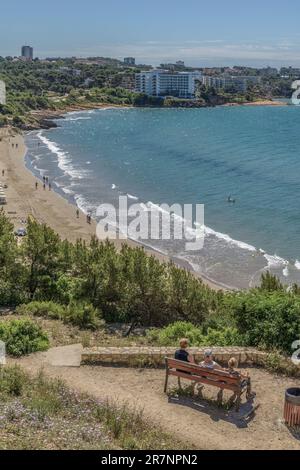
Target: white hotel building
x=166, y=83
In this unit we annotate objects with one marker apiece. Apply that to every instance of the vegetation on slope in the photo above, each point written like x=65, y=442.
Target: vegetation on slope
x=91, y=283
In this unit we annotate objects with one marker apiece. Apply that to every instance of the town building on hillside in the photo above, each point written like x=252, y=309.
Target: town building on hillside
x=166, y=83
x=226, y=82
x=129, y=61
x=128, y=81
x=27, y=53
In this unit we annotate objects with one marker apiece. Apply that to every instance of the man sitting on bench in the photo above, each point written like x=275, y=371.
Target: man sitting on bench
x=208, y=362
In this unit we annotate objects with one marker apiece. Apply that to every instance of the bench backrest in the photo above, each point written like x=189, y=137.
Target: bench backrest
x=214, y=375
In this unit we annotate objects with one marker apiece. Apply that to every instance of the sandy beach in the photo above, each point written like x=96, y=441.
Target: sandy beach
x=23, y=199
x=258, y=103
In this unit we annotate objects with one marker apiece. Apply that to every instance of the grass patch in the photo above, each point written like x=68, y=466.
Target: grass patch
x=42, y=413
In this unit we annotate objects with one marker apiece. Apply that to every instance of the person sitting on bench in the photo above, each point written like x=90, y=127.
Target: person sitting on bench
x=208, y=362
x=246, y=381
x=182, y=354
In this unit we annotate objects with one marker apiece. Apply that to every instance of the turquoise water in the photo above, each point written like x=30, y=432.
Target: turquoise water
x=191, y=156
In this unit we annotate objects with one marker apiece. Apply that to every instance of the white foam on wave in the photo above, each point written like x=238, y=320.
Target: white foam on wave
x=286, y=272
x=63, y=158
x=72, y=113
x=83, y=118
x=275, y=261
x=130, y=196
x=68, y=191
x=297, y=264
x=84, y=204
x=228, y=239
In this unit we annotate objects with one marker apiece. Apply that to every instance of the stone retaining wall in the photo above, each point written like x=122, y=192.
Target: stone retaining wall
x=155, y=356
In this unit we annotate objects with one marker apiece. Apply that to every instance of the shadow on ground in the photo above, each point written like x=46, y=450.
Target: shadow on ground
x=240, y=419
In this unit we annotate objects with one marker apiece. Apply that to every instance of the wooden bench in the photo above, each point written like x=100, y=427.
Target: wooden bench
x=221, y=379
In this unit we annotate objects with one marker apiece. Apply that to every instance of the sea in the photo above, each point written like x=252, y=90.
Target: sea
x=250, y=154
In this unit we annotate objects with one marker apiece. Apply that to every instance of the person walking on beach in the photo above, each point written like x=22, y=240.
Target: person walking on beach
x=3, y=172
x=36, y=185
x=44, y=186
x=50, y=186
x=77, y=213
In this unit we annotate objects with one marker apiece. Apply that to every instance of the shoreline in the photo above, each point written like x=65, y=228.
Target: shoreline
x=50, y=207
x=45, y=118
x=257, y=103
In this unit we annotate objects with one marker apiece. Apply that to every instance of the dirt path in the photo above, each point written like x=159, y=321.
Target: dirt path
x=199, y=423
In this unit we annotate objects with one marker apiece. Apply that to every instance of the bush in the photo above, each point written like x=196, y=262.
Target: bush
x=270, y=320
x=42, y=309
x=23, y=337
x=79, y=314
x=171, y=335
x=12, y=381
x=84, y=315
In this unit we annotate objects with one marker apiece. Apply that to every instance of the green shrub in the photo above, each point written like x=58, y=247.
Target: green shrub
x=227, y=336
x=23, y=337
x=78, y=314
x=270, y=320
x=42, y=309
x=171, y=335
x=12, y=381
x=84, y=315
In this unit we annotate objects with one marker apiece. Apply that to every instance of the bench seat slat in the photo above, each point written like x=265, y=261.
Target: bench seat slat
x=214, y=374
x=207, y=381
x=174, y=363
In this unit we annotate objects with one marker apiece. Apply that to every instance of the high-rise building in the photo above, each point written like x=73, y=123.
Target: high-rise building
x=2, y=93
x=129, y=61
x=166, y=83
x=27, y=52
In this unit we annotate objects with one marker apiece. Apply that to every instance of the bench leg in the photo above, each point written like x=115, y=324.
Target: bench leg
x=179, y=383
x=249, y=394
x=166, y=381
x=220, y=397
x=238, y=403
x=232, y=400
x=200, y=389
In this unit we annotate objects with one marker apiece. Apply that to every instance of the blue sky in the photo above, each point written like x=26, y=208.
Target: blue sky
x=154, y=31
